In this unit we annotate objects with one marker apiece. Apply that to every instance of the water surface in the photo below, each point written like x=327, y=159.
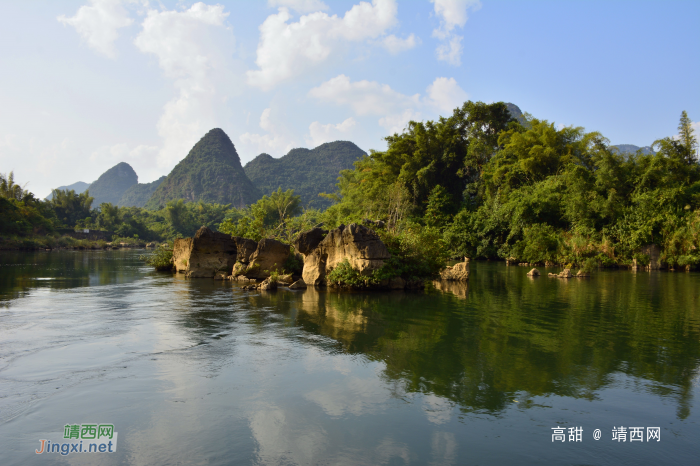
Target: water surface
x=200, y=372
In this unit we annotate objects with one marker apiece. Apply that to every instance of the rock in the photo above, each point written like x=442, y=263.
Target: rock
x=246, y=247
x=552, y=275
x=285, y=279
x=298, y=285
x=221, y=276
x=581, y=273
x=534, y=273
x=397, y=283
x=357, y=244
x=270, y=255
x=268, y=285
x=566, y=273
x=548, y=264
x=204, y=255
x=458, y=272
x=150, y=245
x=309, y=240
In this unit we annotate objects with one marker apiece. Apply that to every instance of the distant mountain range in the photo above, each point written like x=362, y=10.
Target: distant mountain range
x=307, y=172
x=632, y=149
x=212, y=172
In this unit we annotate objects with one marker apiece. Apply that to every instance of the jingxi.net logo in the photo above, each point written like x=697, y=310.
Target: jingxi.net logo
x=82, y=438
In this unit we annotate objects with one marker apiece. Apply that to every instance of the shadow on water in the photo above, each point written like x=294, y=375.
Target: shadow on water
x=507, y=334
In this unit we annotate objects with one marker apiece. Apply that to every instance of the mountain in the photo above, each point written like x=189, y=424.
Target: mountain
x=137, y=195
x=112, y=184
x=631, y=149
x=78, y=187
x=308, y=172
x=211, y=172
x=515, y=112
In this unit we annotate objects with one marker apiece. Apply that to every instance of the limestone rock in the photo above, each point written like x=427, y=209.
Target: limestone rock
x=534, y=273
x=566, y=273
x=246, y=247
x=268, y=285
x=298, y=285
x=309, y=240
x=270, y=255
x=204, y=255
x=458, y=272
x=357, y=244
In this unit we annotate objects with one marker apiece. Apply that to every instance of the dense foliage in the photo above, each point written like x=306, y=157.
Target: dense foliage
x=211, y=173
x=307, y=172
x=495, y=188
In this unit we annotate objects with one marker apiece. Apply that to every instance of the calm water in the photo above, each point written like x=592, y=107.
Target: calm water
x=199, y=372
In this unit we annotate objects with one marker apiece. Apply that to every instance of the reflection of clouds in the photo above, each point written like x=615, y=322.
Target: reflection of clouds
x=438, y=410
x=353, y=395
x=389, y=449
x=281, y=441
x=443, y=448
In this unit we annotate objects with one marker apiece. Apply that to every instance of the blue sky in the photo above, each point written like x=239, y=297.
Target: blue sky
x=87, y=84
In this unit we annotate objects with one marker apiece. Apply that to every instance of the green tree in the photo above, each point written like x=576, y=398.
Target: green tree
x=70, y=208
x=686, y=132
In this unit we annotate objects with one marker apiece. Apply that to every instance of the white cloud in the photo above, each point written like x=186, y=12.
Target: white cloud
x=397, y=45
x=396, y=109
x=287, y=49
x=364, y=97
x=274, y=141
x=300, y=6
x=319, y=134
x=452, y=14
x=445, y=94
x=451, y=51
x=396, y=123
x=98, y=24
x=193, y=48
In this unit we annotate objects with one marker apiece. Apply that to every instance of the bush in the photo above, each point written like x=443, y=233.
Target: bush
x=345, y=275
x=161, y=259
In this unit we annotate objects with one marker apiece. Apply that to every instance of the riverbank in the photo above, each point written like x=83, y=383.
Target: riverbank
x=38, y=242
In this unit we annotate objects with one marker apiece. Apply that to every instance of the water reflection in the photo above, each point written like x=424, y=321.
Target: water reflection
x=514, y=337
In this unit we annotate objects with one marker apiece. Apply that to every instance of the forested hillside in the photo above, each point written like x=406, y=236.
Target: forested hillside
x=307, y=172
x=211, y=172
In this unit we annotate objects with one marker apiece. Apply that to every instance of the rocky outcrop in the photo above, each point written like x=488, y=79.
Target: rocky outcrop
x=534, y=273
x=566, y=273
x=205, y=254
x=357, y=244
x=582, y=274
x=246, y=247
x=298, y=285
x=270, y=255
x=309, y=240
x=458, y=272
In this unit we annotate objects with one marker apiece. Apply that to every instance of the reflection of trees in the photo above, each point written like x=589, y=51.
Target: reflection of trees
x=20, y=271
x=512, y=334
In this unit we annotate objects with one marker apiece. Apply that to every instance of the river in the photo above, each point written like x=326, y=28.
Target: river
x=200, y=372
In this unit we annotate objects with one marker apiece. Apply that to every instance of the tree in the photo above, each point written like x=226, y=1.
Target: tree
x=687, y=136
x=71, y=207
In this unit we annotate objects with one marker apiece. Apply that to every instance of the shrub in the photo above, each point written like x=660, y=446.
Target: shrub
x=345, y=275
x=161, y=259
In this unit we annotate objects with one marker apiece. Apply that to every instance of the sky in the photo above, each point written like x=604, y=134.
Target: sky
x=87, y=84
